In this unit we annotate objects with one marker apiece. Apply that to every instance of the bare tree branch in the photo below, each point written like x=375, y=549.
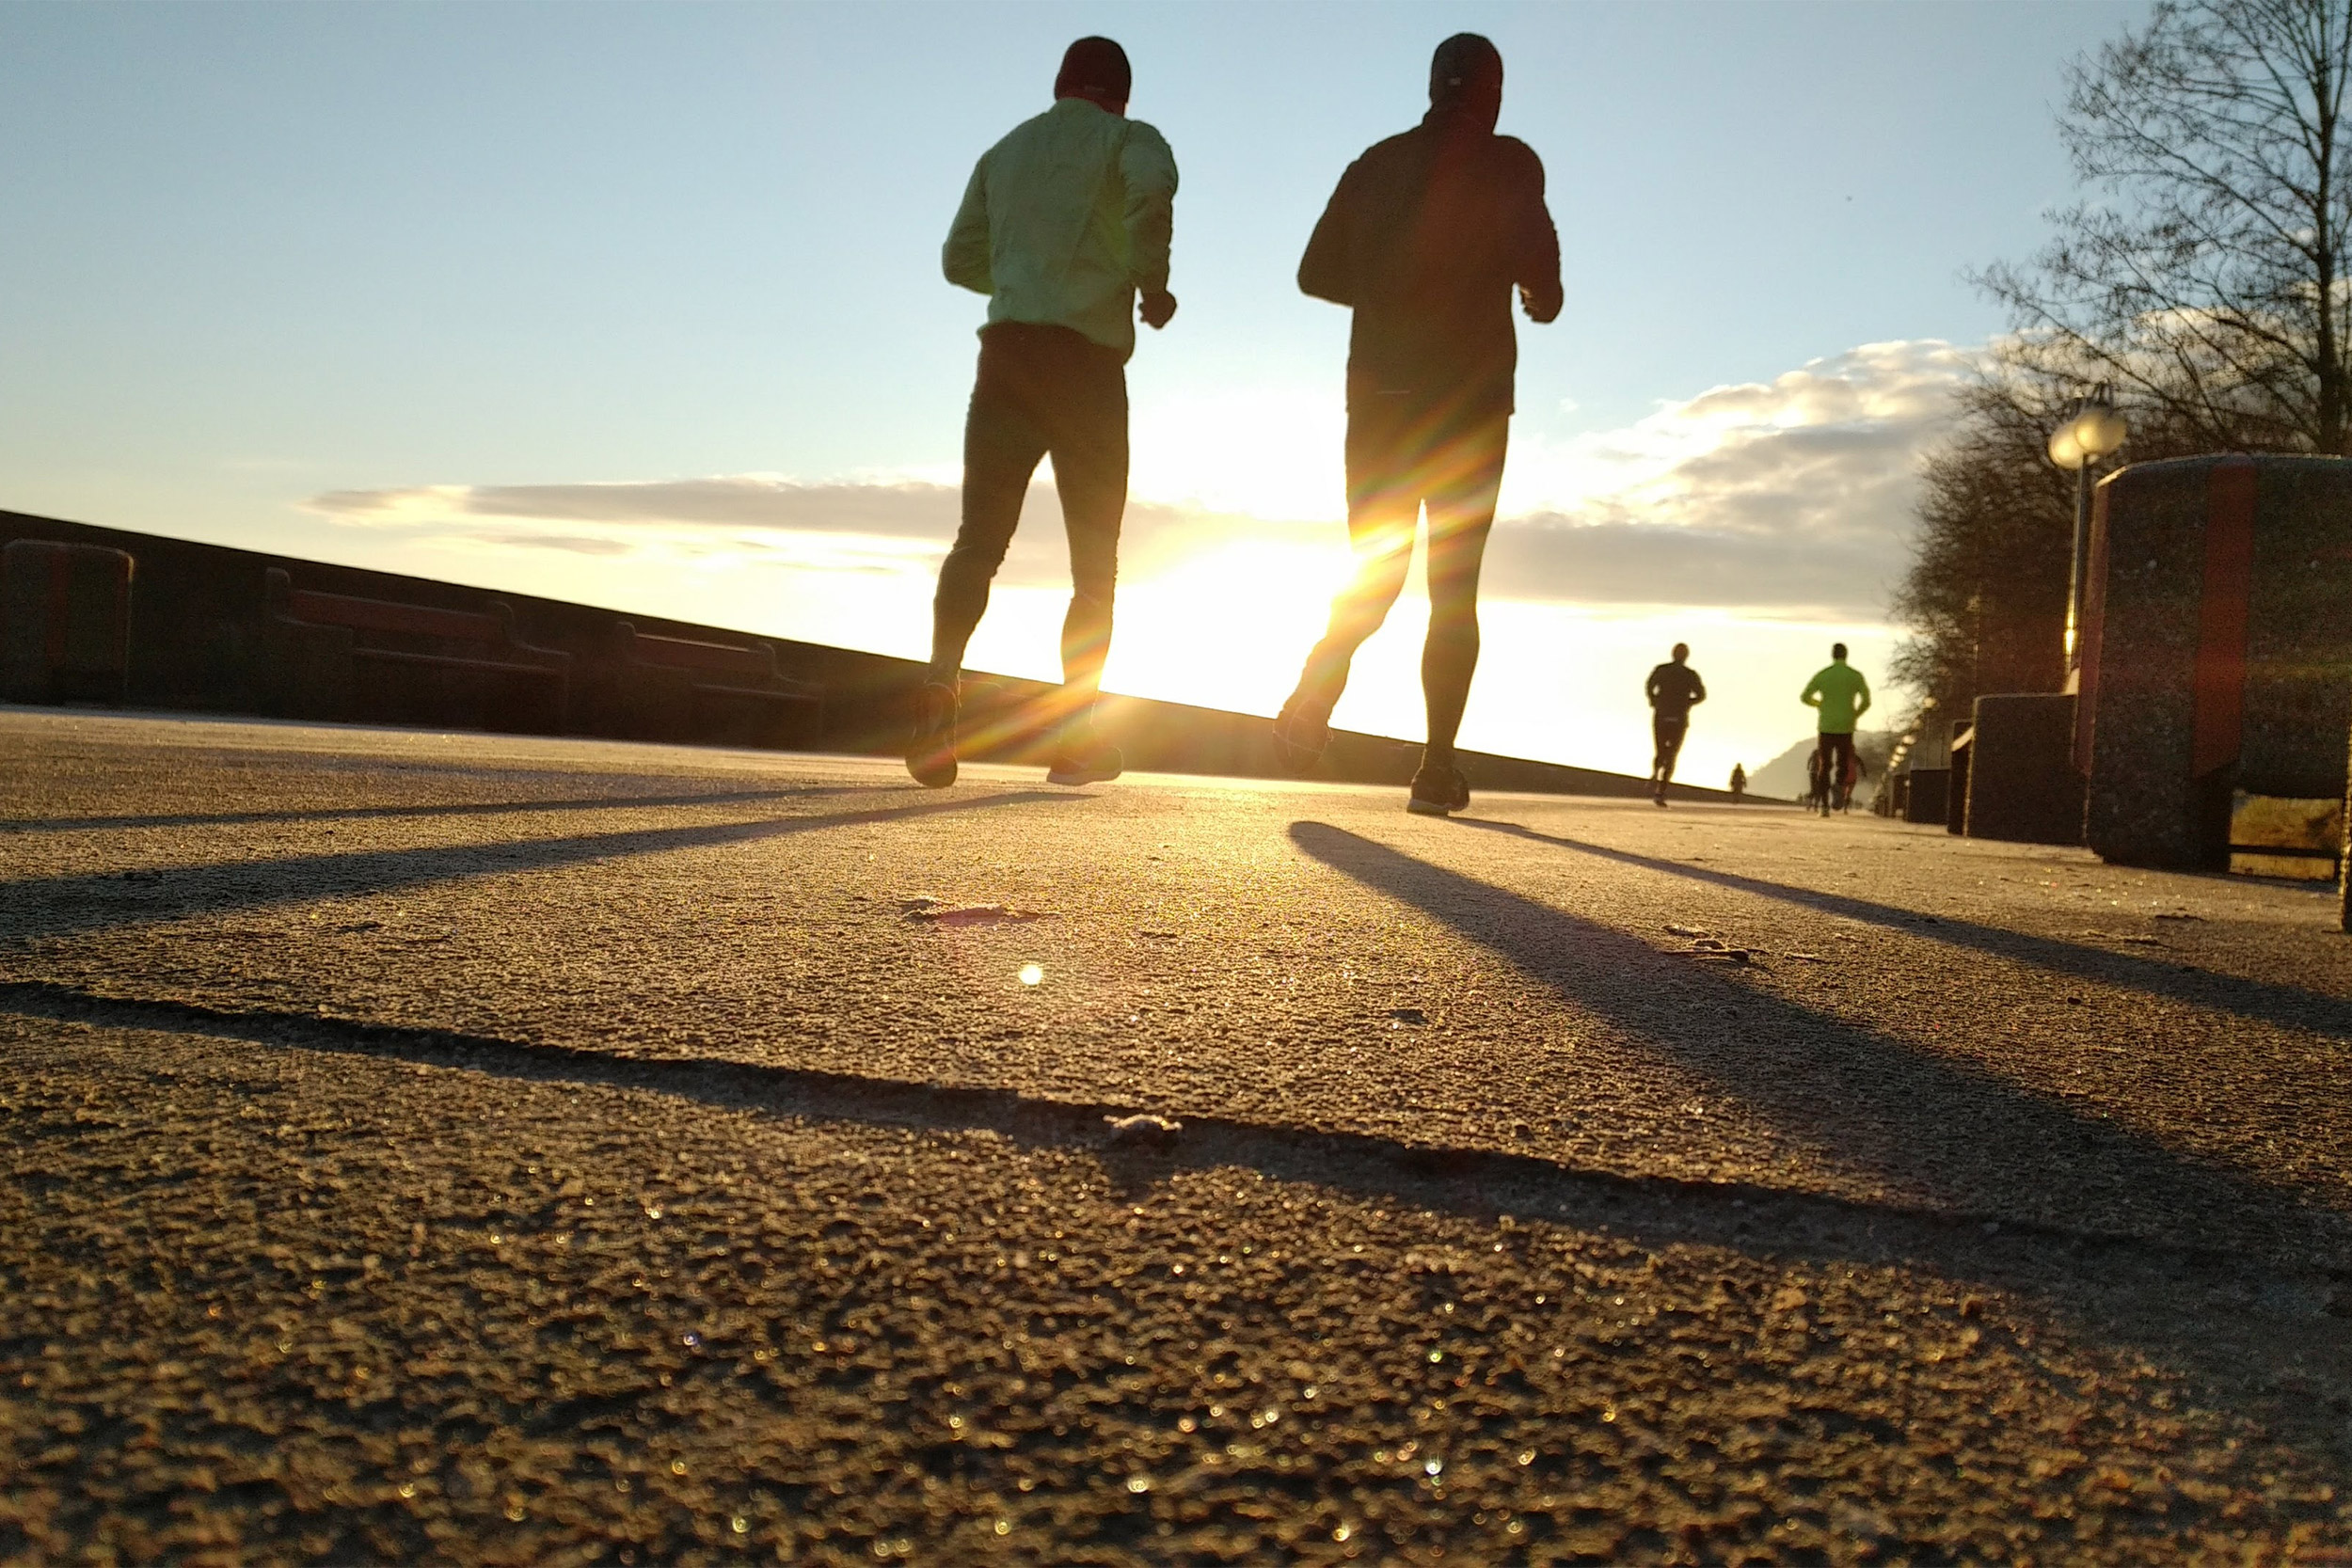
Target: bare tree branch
x=2209, y=277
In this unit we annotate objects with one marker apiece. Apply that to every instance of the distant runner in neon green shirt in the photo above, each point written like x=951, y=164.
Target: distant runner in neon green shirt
x=1843, y=697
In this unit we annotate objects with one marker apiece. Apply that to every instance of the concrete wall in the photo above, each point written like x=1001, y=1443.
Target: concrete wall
x=196, y=643
x=2021, y=783
x=1927, y=796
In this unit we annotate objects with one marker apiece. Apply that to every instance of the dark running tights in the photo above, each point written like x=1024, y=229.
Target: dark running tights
x=1401, y=457
x=1667, y=734
x=1834, y=751
x=1040, y=390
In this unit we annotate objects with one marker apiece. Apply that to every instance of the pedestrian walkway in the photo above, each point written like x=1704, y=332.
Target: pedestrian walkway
x=488, y=1149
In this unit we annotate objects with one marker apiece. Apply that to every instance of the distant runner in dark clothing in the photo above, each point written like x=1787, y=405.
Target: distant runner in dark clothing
x=1674, y=689
x=1426, y=238
x=1738, y=781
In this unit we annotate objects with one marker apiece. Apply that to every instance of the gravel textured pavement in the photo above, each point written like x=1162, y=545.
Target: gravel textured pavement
x=476, y=1149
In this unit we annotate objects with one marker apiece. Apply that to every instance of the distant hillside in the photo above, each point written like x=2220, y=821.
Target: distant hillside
x=1783, y=778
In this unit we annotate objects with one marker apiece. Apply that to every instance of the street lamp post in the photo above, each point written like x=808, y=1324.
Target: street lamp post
x=2091, y=430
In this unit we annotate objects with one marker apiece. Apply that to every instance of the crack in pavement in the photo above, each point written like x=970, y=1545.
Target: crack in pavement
x=1466, y=1181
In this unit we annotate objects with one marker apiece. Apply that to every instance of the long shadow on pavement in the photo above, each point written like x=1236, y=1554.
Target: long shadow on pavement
x=2244, y=1327
x=1943, y=1129
x=2255, y=1000
x=37, y=908
x=480, y=808
x=1481, y=1180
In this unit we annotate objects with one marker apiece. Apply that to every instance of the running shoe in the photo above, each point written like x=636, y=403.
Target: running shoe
x=1439, y=790
x=931, y=749
x=1300, y=737
x=1085, y=760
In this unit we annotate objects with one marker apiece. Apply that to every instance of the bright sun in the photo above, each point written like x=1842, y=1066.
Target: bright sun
x=1226, y=628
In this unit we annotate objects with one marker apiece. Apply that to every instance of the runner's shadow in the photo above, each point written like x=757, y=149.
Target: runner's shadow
x=2285, y=1005
x=1942, y=1130
x=38, y=908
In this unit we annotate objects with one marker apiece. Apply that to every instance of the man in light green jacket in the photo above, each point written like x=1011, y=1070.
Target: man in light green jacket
x=1065, y=226
x=1843, y=697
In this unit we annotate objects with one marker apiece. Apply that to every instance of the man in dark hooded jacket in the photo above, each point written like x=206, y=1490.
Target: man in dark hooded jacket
x=1426, y=238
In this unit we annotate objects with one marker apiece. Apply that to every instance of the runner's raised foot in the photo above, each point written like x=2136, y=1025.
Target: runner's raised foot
x=931, y=749
x=1301, y=735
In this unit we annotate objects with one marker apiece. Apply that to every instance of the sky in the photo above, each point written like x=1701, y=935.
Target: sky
x=639, y=304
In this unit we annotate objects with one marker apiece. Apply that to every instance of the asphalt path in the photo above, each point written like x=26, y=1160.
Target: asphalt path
x=474, y=1148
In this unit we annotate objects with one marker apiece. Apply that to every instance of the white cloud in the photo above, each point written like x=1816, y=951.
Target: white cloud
x=1788, y=498
x=880, y=525
x=737, y=501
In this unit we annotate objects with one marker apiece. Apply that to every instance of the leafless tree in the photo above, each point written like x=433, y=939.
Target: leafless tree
x=1984, y=599
x=2207, y=279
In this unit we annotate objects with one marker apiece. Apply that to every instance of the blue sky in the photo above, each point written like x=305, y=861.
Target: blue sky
x=390, y=284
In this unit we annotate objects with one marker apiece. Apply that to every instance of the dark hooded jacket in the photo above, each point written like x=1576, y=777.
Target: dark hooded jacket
x=1425, y=238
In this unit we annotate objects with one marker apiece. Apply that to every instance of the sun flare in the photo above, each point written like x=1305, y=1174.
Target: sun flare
x=1229, y=627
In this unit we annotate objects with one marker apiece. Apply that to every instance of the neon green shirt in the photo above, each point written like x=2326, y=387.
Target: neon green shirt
x=1065, y=219
x=1841, y=694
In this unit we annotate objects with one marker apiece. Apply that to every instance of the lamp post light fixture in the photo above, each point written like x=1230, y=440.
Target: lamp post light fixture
x=2091, y=430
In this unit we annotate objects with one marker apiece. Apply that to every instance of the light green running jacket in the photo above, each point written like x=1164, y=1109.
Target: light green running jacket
x=1065, y=219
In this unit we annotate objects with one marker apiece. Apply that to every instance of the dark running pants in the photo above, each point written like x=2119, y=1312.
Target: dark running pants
x=1041, y=391
x=1666, y=731
x=1836, y=753
x=1403, y=453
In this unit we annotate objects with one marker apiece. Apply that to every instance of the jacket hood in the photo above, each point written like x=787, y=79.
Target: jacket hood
x=1464, y=84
